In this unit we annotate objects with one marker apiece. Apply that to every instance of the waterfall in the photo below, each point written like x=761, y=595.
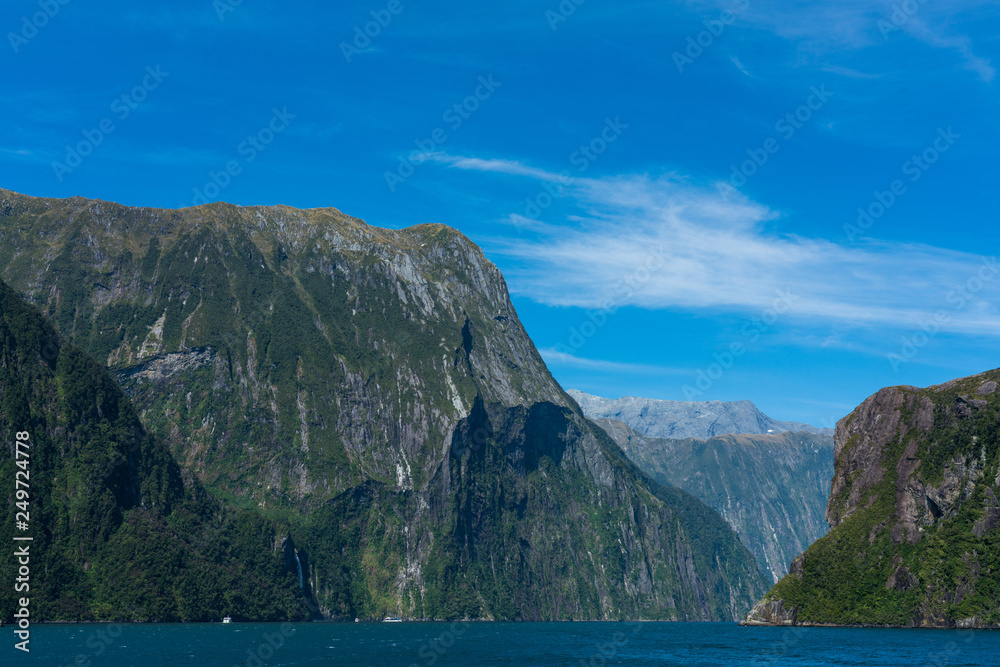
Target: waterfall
x=298, y=564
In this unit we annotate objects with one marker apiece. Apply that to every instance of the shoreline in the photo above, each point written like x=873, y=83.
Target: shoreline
x=741, y=624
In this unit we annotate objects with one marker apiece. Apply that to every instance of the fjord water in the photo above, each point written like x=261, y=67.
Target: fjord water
x=426, y=644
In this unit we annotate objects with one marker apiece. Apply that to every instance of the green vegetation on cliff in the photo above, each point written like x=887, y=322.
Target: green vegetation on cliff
x=771, y=488
x=522, y=542
x=374, y=391
x=914, y=511
x=116, y=535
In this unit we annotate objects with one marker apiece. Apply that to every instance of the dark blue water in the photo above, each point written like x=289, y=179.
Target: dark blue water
x=441, y=644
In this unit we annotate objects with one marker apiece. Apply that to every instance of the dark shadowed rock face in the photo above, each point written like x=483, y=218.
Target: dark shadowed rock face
x=686, y=419
x=772, y=488
x=913, y=514
x=375, y=390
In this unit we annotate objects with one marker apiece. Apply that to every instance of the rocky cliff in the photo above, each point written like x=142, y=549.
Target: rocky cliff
x=913, y=512
x=686, y=419
x=116, y=533
x=771, y=488
x=375, y=390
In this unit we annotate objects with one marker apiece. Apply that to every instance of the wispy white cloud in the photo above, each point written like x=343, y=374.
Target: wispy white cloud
x=681, y=245
x=512, y=167
x=17, y=152
x=851, y=73
x=847, y=25
x=739, y=65
x=961, y=44
x=22, y=154
x=554, y=357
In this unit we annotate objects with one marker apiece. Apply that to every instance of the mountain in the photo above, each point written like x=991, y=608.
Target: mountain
x=771, y=488
x=913, y=513
x=116, y=533
x=686, y=419
x=375, y=391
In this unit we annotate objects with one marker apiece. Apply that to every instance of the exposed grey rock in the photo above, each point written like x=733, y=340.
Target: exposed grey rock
x=991, y=519
x=375, y=386
x=686, y=419
x=987, y=388
x=164, y=366
x=964, y=406
x=913, y=502
x=771, y=488
x=798, y=566
x=901, y=579
x=770, y=612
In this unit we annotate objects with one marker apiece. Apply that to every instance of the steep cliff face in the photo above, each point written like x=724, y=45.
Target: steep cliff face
x=771, y=488
x=316, y=350
x=913, y=513
x=116, y=535
x=376, y=390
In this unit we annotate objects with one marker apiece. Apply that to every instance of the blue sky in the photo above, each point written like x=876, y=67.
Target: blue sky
x=671, y=189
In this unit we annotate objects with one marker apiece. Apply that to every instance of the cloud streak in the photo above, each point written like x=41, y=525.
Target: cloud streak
x=715, y=253
x=554, y=357
x=510, y=167
x=828, y=28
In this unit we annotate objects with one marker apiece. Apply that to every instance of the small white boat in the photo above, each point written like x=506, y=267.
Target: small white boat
x=227, y=619
x=392, y=619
